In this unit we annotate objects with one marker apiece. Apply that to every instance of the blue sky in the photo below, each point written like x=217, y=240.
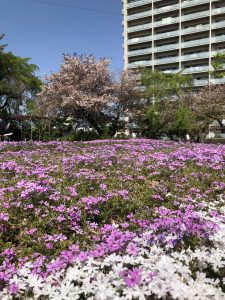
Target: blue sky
x=45, y=29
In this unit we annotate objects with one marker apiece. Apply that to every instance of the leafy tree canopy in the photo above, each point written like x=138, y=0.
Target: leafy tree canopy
x=209, y=104
x=18, y=82
x=218, y=64
x=159, y=85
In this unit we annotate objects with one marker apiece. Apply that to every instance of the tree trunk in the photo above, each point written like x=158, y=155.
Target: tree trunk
x=95, y=125
x=114, y=125
x=4, y=105
x=89, y=118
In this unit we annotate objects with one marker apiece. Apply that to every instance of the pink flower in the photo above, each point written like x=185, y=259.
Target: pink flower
x=132, y=277
x=82, y=256
x=152, y=275
x=103, y=186
x=13, y=288
x=4, y=216
x=72, y=191
x=31, y=231
x=132, y=249
x=49, y=245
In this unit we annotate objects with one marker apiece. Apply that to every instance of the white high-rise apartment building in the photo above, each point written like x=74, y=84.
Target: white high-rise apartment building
x=173, y=35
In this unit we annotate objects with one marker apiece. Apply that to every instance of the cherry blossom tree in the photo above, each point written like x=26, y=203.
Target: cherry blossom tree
x=84, y=88
x=209, y=104
x=125, y=100
x=80, y=88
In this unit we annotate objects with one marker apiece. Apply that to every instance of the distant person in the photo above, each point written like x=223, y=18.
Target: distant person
x=187, y=137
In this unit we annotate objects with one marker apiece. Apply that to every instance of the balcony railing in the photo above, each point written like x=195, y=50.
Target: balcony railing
x=139, y=52
x=217, y=11
x=175, y=59
x=166, y=21
x=191, y=70
x=138, y=3
x=194, y=43
x=194, y=16
x=195, y=29
x=139, y=28
x=143, y=63
x=217, y=25
x=167, y=47
x=171, y=71
x=135, y=3
x=139, y=15
x=171, y=59
x=170, y=20
x=200, y=69
x=189, y=30
x=195, y=2
x=203, y=82
x=217, y=39
x=167, y=8
x=166, y=34
x=200, y=82
x=195, y=56
x=139, y=40
x=218, y=80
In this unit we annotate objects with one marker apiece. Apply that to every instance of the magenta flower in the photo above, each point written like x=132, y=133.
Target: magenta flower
x=132, y=249
x=103, y=186
x=13, y=288
x=132, y=277
x=31, y=231
x=4, y=216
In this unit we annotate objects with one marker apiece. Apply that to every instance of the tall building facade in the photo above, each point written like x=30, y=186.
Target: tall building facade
x=174, y=35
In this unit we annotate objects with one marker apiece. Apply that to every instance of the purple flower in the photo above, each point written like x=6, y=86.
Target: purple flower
x=132, y=277
x=49, y=245
x=31, y=231
x=13, y=288
x=132, y=249
x=4, y=216
x=103, y=186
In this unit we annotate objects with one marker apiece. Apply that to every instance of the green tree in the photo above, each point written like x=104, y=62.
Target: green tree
x=159, y=85
x=165, y=93
x=18, y=82
x=218, y=64
x=184, y=122
x=172, y=118
x=158, y=118
x=2, y=47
